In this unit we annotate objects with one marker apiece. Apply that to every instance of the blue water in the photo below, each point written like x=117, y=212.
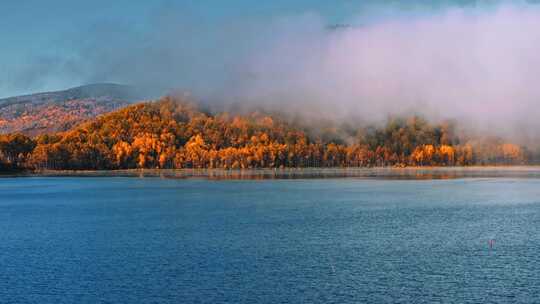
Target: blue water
x=151, y=240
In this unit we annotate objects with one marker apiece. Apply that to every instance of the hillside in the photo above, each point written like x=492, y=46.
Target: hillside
x=58, y=111
x=172, y=133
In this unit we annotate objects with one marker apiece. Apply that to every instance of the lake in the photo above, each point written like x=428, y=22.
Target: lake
x=340, y=240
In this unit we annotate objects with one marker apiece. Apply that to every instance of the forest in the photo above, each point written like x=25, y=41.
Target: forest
x=174, y=133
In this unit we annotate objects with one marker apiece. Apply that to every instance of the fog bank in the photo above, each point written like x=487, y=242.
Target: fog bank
x=475, y=64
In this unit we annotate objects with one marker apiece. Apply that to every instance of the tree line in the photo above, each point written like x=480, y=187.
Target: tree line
x=171, y=133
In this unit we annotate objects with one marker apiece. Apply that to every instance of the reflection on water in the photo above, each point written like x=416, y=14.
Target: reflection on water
x=309, y=173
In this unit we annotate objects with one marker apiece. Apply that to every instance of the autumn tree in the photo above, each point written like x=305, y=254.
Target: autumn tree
x=173, y=133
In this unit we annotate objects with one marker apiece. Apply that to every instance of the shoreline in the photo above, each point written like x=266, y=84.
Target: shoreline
x=299, y=173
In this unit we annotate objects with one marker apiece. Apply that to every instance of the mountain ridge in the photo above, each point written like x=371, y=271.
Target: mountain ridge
x=53, y=111
x=93, y=90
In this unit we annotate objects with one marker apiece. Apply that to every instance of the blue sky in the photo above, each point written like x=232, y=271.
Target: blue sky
x=35, y=29
x=37, y=36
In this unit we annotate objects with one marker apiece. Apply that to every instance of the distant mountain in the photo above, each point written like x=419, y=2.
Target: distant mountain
x=58, y=111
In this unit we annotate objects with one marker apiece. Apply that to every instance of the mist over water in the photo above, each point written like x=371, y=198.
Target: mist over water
x=477, y=64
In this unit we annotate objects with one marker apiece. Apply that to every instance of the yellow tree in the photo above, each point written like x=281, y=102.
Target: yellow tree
x=146, y=145
x=122, y=152
x=448, y=154
x=512, y=153
x=196, y=151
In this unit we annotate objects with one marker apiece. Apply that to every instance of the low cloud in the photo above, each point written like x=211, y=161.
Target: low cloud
x=475, y=64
